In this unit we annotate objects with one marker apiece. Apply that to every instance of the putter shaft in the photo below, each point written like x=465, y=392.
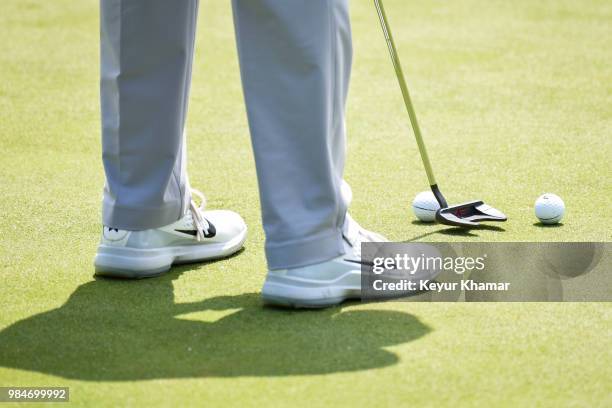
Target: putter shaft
x=380, y=9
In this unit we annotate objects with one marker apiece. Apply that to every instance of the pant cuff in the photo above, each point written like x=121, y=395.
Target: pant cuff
x=139, y=219
x=305, y=252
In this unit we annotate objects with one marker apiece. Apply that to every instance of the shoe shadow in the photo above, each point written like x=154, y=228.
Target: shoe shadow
x=117, y=330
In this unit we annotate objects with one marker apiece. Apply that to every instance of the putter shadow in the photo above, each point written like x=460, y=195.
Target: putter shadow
x=118, y=330
x=421, y=236
x=457, y=232
x=469, y=232
x=454, y=231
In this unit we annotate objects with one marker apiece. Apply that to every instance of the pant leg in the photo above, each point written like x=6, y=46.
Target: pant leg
x=295, y=59
x=146, y=57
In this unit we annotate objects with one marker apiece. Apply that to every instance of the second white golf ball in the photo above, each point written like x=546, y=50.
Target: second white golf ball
x=425, y=206
x=549, y=208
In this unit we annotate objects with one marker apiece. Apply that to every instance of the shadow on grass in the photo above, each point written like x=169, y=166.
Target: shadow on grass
x=542, y=225
x=423, y=223
x=118, y=330
x=454, y=231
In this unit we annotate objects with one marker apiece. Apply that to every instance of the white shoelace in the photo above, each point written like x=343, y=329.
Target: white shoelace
x=201, y=224
x=355, y=234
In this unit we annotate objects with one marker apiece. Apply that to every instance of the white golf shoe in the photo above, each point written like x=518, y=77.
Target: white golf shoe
x=198, y=236
x=324, y=284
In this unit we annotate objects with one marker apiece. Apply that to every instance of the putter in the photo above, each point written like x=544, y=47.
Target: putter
x=466, y=215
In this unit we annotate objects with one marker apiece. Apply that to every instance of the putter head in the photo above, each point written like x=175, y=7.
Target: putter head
x=468, y=215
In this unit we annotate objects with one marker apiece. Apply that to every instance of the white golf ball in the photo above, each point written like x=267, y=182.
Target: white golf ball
x=549, y=208
x=425, y=206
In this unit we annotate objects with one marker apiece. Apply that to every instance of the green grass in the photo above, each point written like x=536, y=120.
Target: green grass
x=514, y=99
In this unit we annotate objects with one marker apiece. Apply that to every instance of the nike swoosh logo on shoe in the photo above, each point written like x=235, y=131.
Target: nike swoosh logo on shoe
x=212, y=231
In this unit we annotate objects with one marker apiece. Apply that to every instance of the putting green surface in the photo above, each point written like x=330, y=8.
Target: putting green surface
x=514, y=101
